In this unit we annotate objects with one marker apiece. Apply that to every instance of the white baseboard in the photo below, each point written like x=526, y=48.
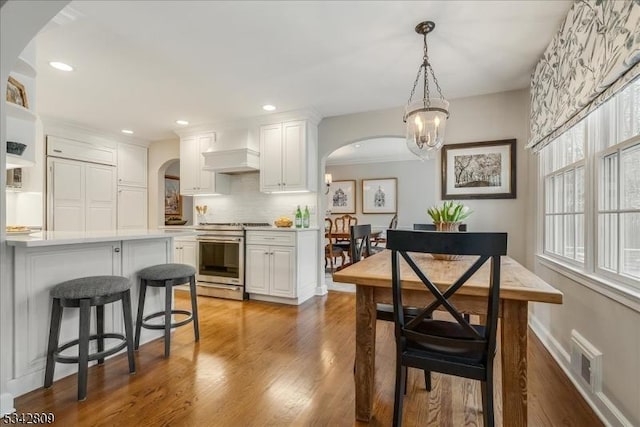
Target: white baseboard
x=321, y=290
x=599, y=402
x=6, y=404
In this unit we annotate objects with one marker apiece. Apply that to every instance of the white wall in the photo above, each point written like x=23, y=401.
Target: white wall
x=416, y=189
x=480, y=118
x=245, y=202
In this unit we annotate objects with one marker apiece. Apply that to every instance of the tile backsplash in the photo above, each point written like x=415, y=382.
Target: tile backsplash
x=245, y=202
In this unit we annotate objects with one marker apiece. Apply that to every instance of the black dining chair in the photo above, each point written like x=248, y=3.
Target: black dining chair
x=360, y=240
x=453, y=347
x=432, y=227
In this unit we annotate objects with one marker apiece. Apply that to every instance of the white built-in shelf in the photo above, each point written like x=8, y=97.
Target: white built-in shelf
x=25, y=68
x=14, y=161
x=20, y=113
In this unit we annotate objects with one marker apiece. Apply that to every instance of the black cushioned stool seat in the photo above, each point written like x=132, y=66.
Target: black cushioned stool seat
x=84, y=293
x=167, y=276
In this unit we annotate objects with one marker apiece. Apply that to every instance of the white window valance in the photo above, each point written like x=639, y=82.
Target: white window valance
x=595, y=54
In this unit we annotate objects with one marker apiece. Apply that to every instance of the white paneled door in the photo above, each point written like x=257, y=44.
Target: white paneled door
x=81, y=196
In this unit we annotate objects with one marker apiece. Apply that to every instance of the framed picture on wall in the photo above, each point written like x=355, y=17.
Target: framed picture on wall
x=172, y=197
x=341, y=197
x=479, y=170
x=379, y=195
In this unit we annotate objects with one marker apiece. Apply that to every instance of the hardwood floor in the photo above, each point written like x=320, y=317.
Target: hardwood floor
x=261, y=364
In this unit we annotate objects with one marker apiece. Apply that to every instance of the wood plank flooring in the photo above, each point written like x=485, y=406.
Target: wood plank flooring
x=262, y=364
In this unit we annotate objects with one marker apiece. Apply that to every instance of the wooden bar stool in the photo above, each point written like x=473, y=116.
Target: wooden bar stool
x=84, y=293
x=167, y=276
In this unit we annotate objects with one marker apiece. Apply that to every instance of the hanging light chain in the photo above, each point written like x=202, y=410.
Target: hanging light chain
x=415, y=84
x=426, y=100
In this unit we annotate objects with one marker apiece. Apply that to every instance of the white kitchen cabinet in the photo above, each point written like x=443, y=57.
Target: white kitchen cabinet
x=185, y=251
x=288, y=157
x=132, y=165
x=281, y=266
x=132, y=207
x=81, y=196
x=193, y=179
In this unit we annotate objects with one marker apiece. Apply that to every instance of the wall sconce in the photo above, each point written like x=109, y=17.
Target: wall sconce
x=327, y=181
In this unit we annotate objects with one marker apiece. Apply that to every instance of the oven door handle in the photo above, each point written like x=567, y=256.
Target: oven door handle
x=219, y=240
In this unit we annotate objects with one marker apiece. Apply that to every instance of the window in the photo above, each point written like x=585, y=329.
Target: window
x=591, y=186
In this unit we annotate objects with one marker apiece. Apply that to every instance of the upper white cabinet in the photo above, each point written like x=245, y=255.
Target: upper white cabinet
x=193, y=179
x=132, y=165
x=288, y=157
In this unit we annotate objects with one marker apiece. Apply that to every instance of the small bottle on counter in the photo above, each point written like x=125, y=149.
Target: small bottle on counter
x=305, y=217
x=298, y=221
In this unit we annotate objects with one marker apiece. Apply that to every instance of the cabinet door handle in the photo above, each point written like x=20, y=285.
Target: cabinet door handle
x=57, y=151
x=266, y=253
x=116, y=250
x=283, y=184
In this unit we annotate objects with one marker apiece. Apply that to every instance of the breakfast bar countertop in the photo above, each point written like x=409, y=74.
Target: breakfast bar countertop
x=54, y=238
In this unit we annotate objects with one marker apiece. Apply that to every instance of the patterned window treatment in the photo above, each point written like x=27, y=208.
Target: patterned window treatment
x=595, y=54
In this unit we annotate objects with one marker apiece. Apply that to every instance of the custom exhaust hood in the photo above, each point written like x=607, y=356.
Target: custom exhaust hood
x=234, y=151
x=232, y=161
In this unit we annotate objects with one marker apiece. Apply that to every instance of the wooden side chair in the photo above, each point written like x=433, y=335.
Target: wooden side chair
x=331, y=251
x=453, y=347
x=342, y=224
x=393, y=224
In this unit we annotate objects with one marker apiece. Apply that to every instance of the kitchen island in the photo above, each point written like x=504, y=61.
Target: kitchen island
x=39, y=261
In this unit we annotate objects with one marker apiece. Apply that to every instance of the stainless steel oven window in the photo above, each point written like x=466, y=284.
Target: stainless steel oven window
x=221, y=259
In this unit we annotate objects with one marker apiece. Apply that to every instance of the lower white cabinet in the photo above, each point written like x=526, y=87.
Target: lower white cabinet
x=185, y=251
x=281, y=266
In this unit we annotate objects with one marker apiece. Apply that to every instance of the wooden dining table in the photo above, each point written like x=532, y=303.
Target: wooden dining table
x=518, y=287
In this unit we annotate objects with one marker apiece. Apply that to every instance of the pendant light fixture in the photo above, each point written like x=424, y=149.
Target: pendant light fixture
x=426, y=118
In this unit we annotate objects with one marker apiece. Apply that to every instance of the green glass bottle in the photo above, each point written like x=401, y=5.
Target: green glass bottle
x=298, y=217
x=305, y=217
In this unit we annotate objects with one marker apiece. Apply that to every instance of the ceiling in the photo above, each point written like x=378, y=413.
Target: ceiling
x=142, y=65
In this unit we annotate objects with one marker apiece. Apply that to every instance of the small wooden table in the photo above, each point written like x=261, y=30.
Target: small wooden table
x=518, y=286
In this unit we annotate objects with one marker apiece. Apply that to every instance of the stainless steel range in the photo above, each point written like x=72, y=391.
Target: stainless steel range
x=221, y=259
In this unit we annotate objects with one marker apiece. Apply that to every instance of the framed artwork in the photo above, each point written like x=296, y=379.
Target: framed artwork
x=172, y=197
x=16, y=93
x=479, y=170
x=379, y=195
x=341, y=197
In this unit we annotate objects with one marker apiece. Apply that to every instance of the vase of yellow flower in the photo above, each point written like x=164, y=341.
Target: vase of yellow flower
x=448, y=217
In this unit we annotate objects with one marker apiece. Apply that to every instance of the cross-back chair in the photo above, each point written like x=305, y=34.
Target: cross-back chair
x=454, y=347
x=360, y=239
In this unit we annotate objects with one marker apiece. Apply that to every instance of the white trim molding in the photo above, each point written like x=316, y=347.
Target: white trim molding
x=599, y=402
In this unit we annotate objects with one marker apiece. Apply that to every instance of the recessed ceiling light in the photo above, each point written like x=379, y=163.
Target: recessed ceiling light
x=182, y=122
x=357, y=145
x=61, y=66
x=268, y=107
x=127, y=131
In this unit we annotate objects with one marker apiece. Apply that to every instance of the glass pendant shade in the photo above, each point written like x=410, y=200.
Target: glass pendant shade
x=426, y=126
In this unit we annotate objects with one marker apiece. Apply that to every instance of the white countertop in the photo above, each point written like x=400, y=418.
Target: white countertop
x=53, y=238
x=274, y=228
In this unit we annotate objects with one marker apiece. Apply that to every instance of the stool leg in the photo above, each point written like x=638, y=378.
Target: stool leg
x=128, y=328
x=83, y=347
x=142, y=294
x=100, y=330
x=194, y=307
x=54, y=332
x=167, y=318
